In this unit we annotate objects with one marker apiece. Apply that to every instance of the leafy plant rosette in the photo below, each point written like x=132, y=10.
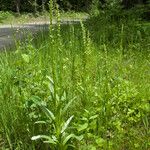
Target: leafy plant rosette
x=60, y=137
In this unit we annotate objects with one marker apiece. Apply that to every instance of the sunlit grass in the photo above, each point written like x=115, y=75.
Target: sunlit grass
x=81, y=86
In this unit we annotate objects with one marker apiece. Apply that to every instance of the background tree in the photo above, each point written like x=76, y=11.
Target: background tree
x=17, y=3
x=75, y=5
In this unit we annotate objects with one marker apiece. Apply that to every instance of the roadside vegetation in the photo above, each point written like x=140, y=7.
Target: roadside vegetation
x=82, y=86
x=40, y=17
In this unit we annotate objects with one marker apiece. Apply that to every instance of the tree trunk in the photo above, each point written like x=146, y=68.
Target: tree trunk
x=43, y=5
x=35, y=6
x=18, y=6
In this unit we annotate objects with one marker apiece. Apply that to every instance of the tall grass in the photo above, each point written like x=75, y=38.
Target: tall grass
x=77, y=87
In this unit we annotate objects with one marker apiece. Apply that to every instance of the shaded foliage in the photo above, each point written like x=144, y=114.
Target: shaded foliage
x=77, y=5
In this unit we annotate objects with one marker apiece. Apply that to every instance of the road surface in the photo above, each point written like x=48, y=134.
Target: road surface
x=9, y=34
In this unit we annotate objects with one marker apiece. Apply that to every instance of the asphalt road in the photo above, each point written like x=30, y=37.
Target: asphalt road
x=9, y=34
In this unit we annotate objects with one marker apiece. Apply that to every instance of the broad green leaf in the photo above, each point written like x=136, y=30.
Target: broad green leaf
x=48, y=113
x=49, y=142
x=100, y=141
x=82, y=127
x=39, y=137
x=48, y=139
x=93, y=147
x=66, y=124
x=79, y=138
x=86, y=111
x=51, y=85
x=68, y=105
x=93, y=117
x=84, y=119
x=54, y=138
x=25, y=58
x=63, y=98
x=40, y=122
x=50, y=79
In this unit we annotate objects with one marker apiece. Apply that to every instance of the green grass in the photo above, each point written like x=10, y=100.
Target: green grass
x=82, y=87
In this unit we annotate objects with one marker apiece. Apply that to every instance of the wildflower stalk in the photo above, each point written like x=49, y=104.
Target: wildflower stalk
x=84, y=45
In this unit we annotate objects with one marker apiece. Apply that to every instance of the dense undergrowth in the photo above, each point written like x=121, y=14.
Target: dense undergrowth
x=82, y=87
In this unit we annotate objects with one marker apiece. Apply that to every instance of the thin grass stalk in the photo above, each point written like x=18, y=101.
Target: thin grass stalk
x=122, y=40
x=84, y=45
x=6, y=132
x=73, y=58
x=59, y=46
x=51, y=15
x=51, y=51
x=58, y=19
x=107, y=93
